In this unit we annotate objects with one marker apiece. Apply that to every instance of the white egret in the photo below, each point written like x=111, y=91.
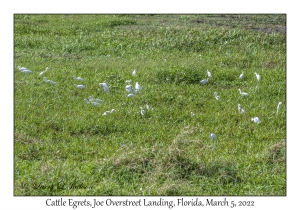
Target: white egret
x=78, y=78
x=134, y=72
x=108, y=112
x=192, y=114
x=138, y=87
x=208, y=73
x=256, y=120
x=216, y=95
x=278, y=106
x=257, y=76
x=243, y=93
x=79, y=86
x=24, y=70
x=143, y=112
x=241, y=110
x=129, y=88
x=204, y=81
x=104, y=86
x=44, y=71
x=130, y=95
x=212, y=136
x=242, y=75
x=49, y=81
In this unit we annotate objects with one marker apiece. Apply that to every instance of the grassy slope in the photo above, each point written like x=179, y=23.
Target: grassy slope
x=66, y=147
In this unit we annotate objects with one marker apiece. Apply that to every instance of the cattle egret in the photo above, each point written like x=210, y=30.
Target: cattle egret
x=78, y=78
x=44, y=71
x=21, y=68
x=104, y=86
x=143, y=112
x=241, y=110
x=130, y=95
x=257, y=76
x=24, y=70
x=216, y=95
x=208, y=73
x=134, y=72
x=108, y=112
x=79, y=86
x=242, y=76
x=204, y=81
x=278, y=106
x=243, y=93
x=138, y=87
x=192, y=114
x=212, y=136
x=256, y=120
x=49, y=81
x=129, y=88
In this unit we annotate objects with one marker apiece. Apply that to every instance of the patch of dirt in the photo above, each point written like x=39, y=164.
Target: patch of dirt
x=280, y=29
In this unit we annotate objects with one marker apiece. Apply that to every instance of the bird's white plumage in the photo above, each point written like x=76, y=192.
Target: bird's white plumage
x=104, y=86
x=209, y=73
x=78, y=78
x=49, y=81
x=278, y=106
x=240, y=109
x=256, y=120
x=204, y=81
x=108, y=112
x=242, y=75
x=44, y=71
x=24, y=70
x=257, y=76
x=212, y=136
x=243, y=93
x=143, y=112
x=138, y=87
x=134, y=72
x=79, y=86
x=129, y=88
x=216, y=96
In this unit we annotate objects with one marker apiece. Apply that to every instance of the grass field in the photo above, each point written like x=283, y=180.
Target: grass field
x=64, y=146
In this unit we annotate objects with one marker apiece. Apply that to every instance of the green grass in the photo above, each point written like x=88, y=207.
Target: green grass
x=63, y=146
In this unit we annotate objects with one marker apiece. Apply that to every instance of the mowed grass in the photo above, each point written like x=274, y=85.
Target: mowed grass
x=63, y=146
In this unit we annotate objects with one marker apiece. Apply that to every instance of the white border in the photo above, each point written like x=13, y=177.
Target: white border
x=8, y=8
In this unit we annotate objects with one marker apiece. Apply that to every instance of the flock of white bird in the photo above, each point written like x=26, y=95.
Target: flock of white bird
x=138, y=88
x=243, y=94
